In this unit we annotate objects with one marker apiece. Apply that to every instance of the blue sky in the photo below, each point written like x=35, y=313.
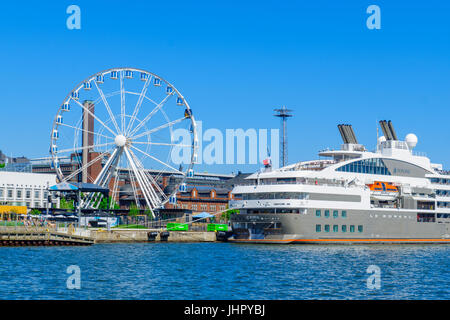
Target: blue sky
x=235, y=61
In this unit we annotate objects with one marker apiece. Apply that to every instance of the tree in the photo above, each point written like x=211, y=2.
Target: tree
x=149, y=214
x=227, y=214
x=134, y=211
x=35, y=212
x=64, y=204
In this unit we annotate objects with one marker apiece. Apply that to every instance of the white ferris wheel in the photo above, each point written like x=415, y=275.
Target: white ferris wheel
x=121, y=121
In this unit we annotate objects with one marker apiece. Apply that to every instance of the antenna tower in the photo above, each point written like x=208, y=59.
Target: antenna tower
x=283, y=114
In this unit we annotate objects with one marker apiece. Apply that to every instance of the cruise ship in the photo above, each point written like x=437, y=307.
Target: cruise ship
x=352, y=195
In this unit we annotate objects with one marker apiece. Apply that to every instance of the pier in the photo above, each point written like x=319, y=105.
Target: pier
x=41, y=236
x=10, y=236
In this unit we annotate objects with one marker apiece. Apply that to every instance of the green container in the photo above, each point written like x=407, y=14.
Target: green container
x=217, y=227
x=172, y=226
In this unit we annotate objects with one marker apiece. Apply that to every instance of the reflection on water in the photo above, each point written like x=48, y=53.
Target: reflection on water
x=225, y=271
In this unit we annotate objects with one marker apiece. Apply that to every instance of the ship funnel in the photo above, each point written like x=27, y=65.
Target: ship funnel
x=388, y=130
x=347, y=133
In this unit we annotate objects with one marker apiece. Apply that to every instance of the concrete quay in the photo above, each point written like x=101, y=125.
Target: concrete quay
x=41, y=236
x=150, y=235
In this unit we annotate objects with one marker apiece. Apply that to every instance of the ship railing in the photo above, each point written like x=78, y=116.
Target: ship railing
x=389, y=206
x=340, y=184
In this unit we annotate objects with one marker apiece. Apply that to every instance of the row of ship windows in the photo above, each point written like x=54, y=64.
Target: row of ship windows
x=444, y=193
x=326, y=228
x=440, y=181
x=20, y=193
x=326, y=213
x=370, y=166
x=441, y=204
x=274, y=195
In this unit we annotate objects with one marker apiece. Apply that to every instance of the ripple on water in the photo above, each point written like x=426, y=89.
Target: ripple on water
x=225, y=271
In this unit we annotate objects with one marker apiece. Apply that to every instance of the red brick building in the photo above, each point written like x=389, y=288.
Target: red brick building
x=202, y=198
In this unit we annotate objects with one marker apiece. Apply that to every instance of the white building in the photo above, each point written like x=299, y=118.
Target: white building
x=25, y=189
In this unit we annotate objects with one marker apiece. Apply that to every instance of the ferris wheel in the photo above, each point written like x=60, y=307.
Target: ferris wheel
x=125, y=126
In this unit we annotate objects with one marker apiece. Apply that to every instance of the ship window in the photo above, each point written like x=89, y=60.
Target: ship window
x=327, y=228
x=371, y=166
x=344, y=214
x=335, y=228
x=360, y=228
x=426, y=217
x=344, y=228
x=318, y=228
x=327, y=213
x=352, y=228
x=318, y=213
x=335, y=214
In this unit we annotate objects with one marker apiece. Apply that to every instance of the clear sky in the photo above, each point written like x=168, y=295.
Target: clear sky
x=237, y=60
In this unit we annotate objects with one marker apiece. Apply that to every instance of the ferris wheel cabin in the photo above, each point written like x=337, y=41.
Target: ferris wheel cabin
x=75, y=95
x=128, y=74
x=144, y=76
x=87, y=86
x=157, y=82
x=65, y=107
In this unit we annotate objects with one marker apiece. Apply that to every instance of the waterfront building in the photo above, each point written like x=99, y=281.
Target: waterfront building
x=16, y=164
x=26, y=189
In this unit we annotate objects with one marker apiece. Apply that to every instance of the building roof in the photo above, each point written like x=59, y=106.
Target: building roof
x=26, y=178
x=79, y=186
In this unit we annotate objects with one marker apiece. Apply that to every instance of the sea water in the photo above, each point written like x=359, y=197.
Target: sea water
x=225, y=271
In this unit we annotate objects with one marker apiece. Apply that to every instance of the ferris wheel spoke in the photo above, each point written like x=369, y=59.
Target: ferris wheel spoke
x=168, y=124
x=105, y=102
x=145, y=97
x=122, y=101
x=87, y=165
x=84, y=148
x=157, y=160
x=138, y=104
x=84, y=130
x=163, y=144
x=147, y=117
x=96, y=118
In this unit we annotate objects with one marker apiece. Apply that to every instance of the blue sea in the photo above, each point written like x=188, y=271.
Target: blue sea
x=225, y=271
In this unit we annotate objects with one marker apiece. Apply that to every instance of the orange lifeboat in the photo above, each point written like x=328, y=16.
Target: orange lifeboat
x=382, y=186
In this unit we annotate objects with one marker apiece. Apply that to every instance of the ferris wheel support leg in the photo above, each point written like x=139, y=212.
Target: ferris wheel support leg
x=133, y=186
x=114, y=191
x=149, y=177
x=145, y=192
x=152, y=194
x=100, y=180
x=144, y=178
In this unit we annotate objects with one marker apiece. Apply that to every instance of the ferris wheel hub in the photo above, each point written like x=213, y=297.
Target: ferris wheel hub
x=120, y=140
